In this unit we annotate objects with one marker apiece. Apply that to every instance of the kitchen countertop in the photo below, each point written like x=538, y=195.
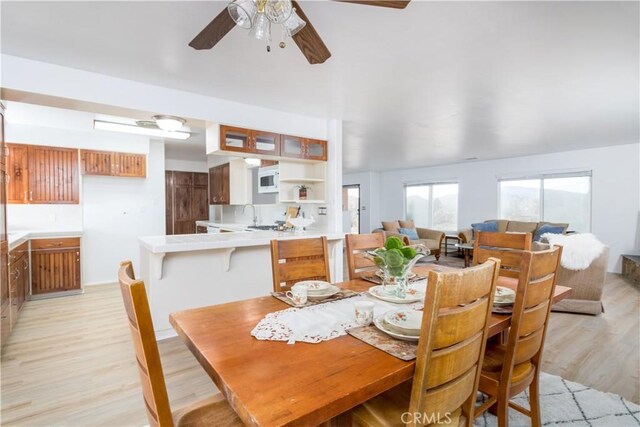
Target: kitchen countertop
x=17, y=237
x=200, y=242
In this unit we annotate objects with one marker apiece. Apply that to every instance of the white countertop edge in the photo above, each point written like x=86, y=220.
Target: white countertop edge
x=154, y=244
x=17, y=238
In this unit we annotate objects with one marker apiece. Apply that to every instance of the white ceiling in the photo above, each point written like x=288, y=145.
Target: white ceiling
x=435, y=83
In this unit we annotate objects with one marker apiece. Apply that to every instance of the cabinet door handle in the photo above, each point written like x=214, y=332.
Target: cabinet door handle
x=25, y=196
x=30, y=195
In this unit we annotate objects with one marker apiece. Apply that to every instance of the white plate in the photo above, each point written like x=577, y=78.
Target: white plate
x=315, y=287
x=413, y=295
x=380, y=274
x=504, y=296
x=332, y=290
x=404, y=321
x=380, y=324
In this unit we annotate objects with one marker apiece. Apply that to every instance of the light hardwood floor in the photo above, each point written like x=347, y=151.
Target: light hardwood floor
x=70, y=360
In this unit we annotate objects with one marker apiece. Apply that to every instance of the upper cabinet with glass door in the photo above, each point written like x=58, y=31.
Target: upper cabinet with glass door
x=249, y=141
x=303, y=148
x=268, y=145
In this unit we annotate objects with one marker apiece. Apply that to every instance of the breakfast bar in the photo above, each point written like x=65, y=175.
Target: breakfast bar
x=188, y=271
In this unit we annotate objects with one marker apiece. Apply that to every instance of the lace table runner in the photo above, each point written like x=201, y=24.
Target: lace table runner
x=321, y=322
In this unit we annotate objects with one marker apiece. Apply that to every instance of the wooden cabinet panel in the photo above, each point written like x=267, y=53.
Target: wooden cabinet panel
x=55, y=270
x=18, y=173
x=53, y=175
x=201, y=179
x=200, y=203
x=96, y=162
x=5, y=324
x=220, y=193
x=62, y=242
x=130, y=165
x=187, y=201
x=4, y=272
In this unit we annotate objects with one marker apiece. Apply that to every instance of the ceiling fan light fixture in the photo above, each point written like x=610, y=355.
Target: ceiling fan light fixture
x=242, y=12
x=294, y=24
x=169, y=123
x=278, y=11
x=261, y=29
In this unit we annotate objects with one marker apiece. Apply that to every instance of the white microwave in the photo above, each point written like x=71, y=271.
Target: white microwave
x=268, y=181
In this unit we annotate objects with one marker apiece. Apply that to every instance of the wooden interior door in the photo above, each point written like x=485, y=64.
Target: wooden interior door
x=18, y=173
x=53, y=175
x=130, y=165
x=168, y=202
x=200, y=197
x=55, y=270
x=96, y=162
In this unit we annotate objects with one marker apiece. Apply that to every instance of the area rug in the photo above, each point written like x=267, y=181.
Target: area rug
x=567, y=403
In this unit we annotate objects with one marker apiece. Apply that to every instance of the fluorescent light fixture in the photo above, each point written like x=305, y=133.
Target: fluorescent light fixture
x=252, y=161
x=120, y=127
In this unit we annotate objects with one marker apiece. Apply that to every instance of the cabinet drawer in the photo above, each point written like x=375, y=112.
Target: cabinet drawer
x=17, y=253
x=5, y=323
x=58, y=243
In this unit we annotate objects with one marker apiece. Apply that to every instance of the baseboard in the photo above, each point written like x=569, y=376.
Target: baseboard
x=100, y=283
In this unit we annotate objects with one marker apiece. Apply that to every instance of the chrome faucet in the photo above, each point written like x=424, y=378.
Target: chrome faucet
x=255, y=217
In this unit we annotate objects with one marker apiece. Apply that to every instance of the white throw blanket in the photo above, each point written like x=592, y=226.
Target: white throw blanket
x=578, y=250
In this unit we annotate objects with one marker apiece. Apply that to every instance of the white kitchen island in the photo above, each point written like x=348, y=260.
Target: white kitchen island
x=196, y=270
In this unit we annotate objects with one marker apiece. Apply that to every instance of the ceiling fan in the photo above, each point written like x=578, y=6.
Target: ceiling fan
x=305, y=36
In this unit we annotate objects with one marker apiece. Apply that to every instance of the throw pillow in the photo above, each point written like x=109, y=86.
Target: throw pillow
x=407, y=224
x=547, y=228
x=411, y=233
x=490, y=226
x=390, y=226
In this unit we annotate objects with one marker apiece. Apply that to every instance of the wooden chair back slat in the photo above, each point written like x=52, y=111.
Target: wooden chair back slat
x=449, y=363
x=531, y=309
x=533, y=318
x=299, y=259
x=452, y=340
x=136, y=305
x=452, y=395
x=357, y=246
x=507, y=247
x=457, y=324
x=540, y=290
x=519, y=241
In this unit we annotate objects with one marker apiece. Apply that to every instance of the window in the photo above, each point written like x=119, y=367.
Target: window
x=433, y=205
x=553, y=198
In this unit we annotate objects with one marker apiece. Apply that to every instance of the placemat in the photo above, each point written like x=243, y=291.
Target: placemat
x=374, y=278
x=373, y=336
x=344, y=293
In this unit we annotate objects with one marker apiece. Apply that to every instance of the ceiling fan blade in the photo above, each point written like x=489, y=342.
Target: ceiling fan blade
x=395, y=4
x=308, y=40
x=214, y=32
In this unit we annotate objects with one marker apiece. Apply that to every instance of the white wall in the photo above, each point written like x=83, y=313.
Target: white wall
x=113, y=211
x=369, y=198
x=615, y=189
x=185, y=165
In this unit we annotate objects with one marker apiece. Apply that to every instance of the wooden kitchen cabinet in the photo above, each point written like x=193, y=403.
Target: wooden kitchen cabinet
x=18, y=281
x=187, y=201
x=18, y=173
x=219, y=185
x=55, y=265
x=42, y=175
x=303, y=148
x=108, y=163
x=249, y=141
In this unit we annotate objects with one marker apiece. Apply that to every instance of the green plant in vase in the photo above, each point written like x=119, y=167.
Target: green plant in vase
x=396, y=261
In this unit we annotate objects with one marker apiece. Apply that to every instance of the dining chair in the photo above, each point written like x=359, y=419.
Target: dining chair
x=212, y=411
x=357, y=247
x=299, y=259
x=510, y=368
x=455, y=325
x=507, y=247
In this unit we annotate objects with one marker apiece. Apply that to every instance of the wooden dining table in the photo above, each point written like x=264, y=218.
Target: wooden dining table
x=272, y=383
